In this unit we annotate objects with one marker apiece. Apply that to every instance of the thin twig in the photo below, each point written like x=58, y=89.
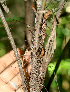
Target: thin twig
x=57, y=66
x=15, y=50
x=61, y=4
x=3, y=3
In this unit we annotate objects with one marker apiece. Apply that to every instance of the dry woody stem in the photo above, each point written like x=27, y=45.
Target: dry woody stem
x=14, y=48
x=40, y=57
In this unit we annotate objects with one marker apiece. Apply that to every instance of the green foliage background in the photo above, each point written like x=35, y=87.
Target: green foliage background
x=16, y=22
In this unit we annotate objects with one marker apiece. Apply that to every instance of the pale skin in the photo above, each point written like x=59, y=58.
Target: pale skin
x=10, y=80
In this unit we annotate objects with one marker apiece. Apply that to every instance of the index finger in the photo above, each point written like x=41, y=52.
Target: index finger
x=6, y=60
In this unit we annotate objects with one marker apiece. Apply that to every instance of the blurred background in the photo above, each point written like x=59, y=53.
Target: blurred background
x=16, y=21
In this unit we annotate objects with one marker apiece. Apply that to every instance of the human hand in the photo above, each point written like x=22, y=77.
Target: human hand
x=10, y=79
